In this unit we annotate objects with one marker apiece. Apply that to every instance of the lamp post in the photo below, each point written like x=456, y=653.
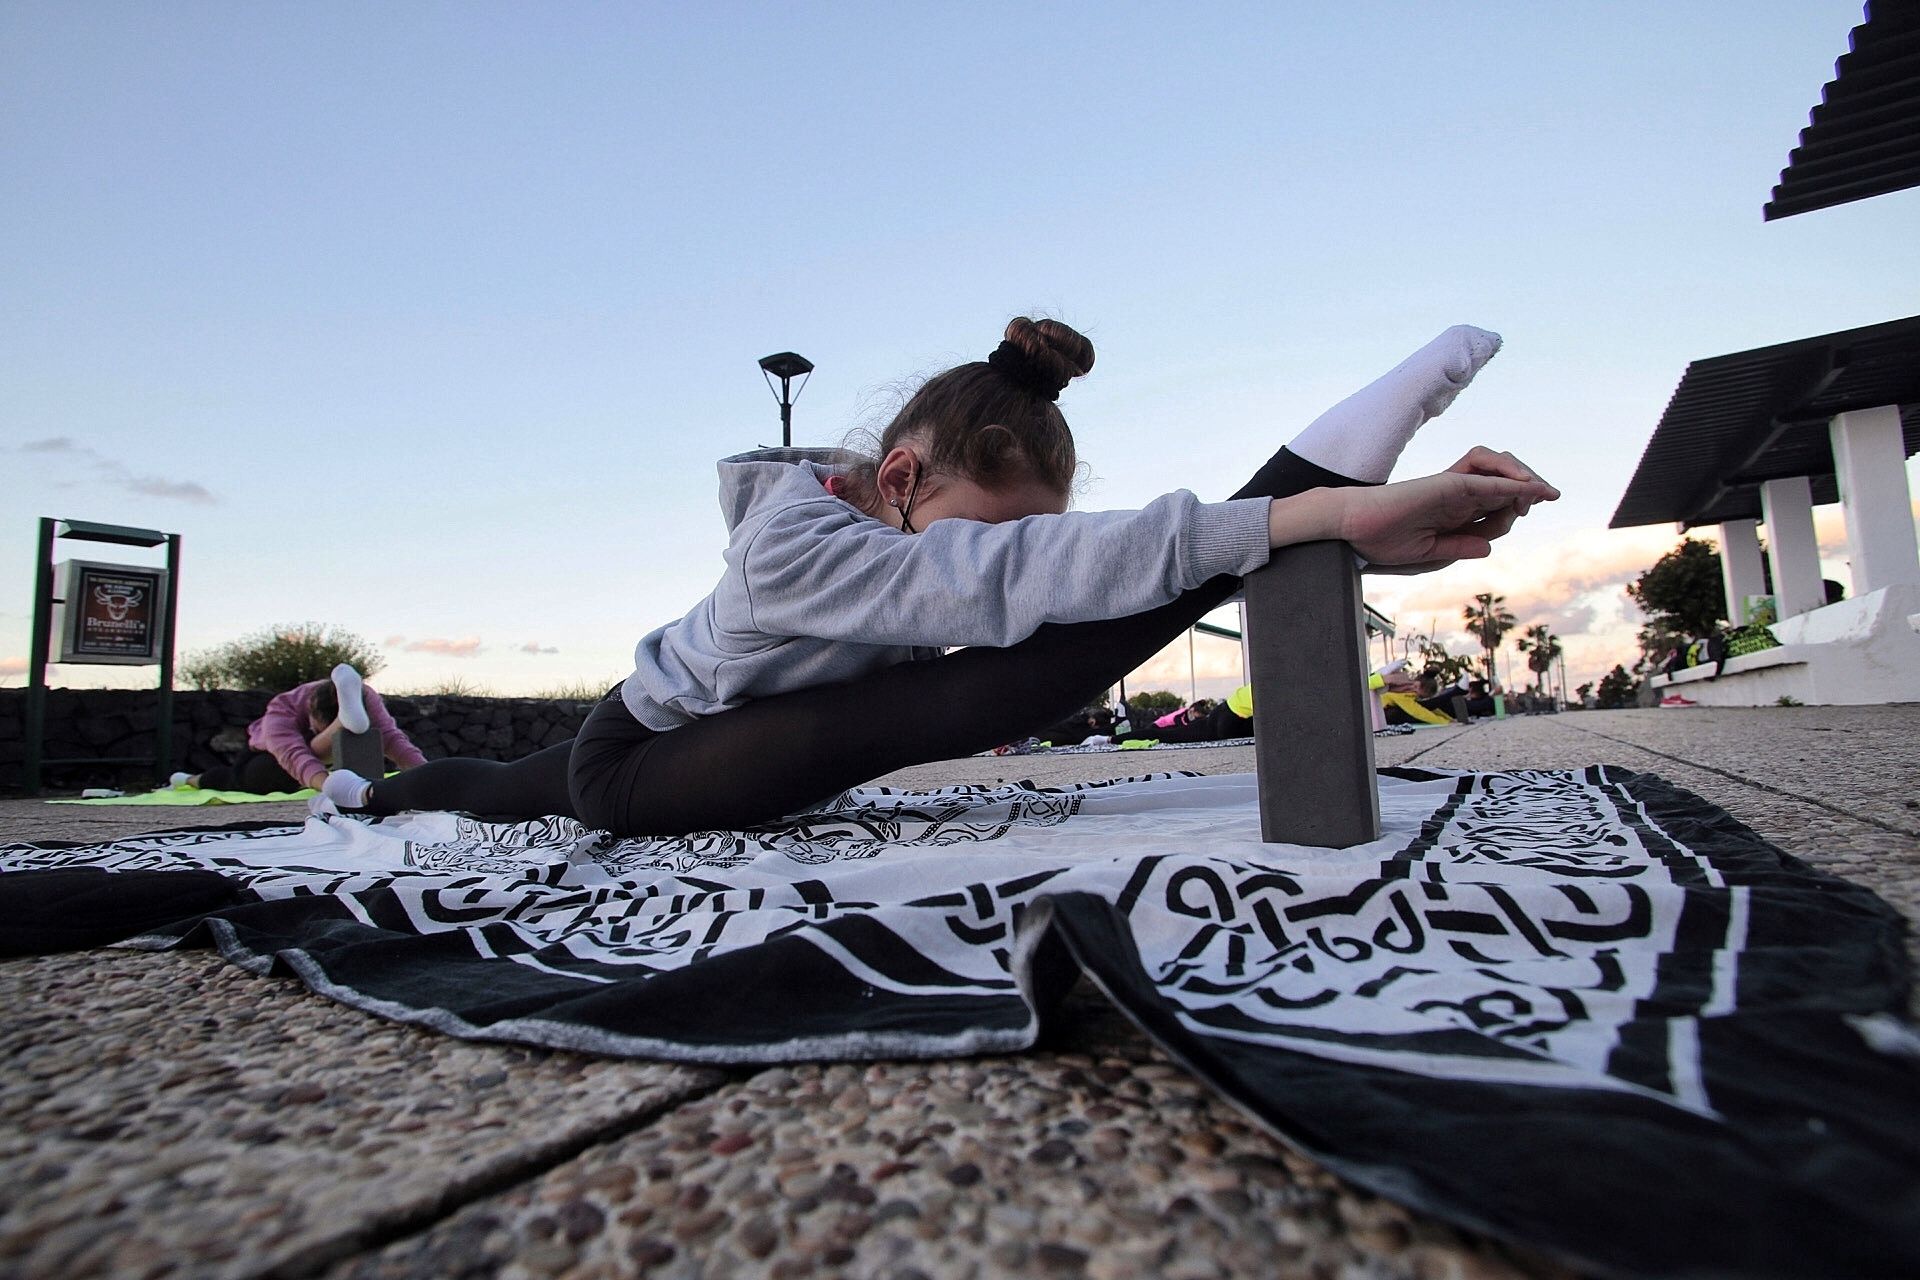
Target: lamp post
x=786, y=366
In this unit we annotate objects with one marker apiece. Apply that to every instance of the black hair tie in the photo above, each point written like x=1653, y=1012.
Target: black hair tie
x=1012, y=364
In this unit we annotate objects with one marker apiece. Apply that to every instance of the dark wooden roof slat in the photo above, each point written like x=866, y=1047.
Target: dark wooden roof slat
x=1888, y=95
x=1897, y=137
x=1737, y=420
x=1867, y=64
x=1832, y=195
x=1859, y=139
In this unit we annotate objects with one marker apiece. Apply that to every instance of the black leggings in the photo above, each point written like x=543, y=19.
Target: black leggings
x=777, y=755
x=256, y=771
x=530, y=787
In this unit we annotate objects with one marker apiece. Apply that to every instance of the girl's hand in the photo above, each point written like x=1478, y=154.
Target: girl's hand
x=1424, y=524
x=1482, y=461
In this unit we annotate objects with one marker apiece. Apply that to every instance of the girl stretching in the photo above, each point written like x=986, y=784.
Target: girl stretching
x=288, y=744
x=817, y=662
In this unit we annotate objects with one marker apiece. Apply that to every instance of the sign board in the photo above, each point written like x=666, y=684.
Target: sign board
x=113, y=614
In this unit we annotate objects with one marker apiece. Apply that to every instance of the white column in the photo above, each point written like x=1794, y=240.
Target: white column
x=1743, y=571
x=1787, y=508
x=1871, y=465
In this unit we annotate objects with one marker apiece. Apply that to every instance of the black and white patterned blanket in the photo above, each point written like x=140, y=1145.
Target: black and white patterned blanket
x=1586, y=1011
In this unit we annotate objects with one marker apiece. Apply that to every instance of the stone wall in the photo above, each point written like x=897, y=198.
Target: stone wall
x=211, y=728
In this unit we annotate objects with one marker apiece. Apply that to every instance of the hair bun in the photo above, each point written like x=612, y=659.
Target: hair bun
x=1042, y=355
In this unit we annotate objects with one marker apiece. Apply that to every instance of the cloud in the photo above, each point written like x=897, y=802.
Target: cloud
x=183, y=489
x=1541, y=577
x=534, y=646
x=117, y=473
x=1575, y=584
x=396, y=641
x=465, y=648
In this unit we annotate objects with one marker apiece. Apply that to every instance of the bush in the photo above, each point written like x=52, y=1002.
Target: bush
x=203, y=669
x=280, y=658
x=576, y=690
x=1617, y=689
x=1684, y=590
x=1156, y=700
x=455, y=686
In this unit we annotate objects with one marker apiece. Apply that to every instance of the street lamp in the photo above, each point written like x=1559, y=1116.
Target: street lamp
x=786, y=366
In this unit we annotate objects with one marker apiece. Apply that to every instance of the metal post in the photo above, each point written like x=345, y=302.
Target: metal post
x=786, y=366
x=163, y=744
x=37, y=658
x=1246, y=667
x=1313, y=738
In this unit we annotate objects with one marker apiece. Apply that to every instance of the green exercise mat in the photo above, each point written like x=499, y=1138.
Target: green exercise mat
x=185, y=796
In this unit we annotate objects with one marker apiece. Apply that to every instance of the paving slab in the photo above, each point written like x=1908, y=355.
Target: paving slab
x=1110, y=1164
x=37, y=820
x=1858, y=760
x=170, y=1114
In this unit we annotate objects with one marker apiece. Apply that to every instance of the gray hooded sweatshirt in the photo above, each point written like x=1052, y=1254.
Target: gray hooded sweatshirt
x=818, y=592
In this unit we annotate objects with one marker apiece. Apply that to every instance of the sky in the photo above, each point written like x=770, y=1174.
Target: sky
x=428, y=321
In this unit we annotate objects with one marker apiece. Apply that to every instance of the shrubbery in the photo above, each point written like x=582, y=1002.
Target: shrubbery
x=279, y=658
x=1617, y=689
x=1156, y=700
x=1683, y=592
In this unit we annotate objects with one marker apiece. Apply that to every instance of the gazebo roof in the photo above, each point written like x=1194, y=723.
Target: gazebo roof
x=1864, y=138
x=1737, y=420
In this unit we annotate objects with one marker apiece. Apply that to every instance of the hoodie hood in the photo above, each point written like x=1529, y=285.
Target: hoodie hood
x=748, y=478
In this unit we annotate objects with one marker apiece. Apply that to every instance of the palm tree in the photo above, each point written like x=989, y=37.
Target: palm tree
x=1489, y=620
x=1541, y=647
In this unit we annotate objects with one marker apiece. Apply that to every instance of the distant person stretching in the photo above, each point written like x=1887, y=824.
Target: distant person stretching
x=817, y=662
x=290, y=742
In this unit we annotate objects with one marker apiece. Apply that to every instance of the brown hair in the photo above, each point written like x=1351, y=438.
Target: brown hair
x=325, y=705
x=978, y=422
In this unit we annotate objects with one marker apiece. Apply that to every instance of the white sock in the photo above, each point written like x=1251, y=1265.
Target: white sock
x=1362, y=436
x=353, y=708
x=346, y=788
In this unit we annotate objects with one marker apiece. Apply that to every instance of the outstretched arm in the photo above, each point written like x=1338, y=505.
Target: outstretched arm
x=1418, y=525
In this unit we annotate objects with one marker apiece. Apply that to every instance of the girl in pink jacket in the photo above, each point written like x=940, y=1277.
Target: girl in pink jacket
x=290, y=743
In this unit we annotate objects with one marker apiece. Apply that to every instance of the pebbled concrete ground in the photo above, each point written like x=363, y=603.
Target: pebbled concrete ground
x=259, y=1130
